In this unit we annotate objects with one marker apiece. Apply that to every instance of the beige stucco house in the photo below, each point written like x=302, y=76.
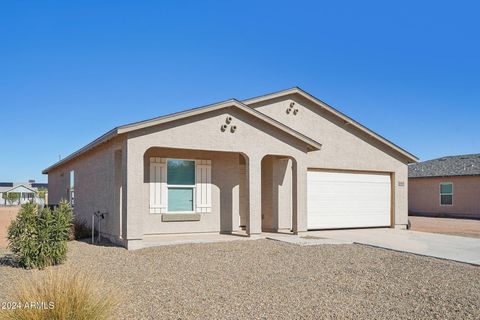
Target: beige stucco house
x=446, y=187
x=285, y=161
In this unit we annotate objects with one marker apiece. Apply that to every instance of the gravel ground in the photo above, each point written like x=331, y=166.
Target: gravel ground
x=265, y=279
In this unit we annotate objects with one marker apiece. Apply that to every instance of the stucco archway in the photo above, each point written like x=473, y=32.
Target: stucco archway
x=277, y=193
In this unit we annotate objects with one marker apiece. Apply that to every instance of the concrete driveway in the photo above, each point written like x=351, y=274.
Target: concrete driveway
x=441, y=246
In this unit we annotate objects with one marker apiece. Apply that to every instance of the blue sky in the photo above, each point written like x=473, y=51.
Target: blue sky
x=70, y=71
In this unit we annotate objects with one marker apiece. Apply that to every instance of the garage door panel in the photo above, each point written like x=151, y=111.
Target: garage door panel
x=352, y=221
x=348, y=200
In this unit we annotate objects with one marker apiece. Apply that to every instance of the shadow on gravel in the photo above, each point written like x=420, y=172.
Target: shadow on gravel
x=102, y=243
x=9, y=261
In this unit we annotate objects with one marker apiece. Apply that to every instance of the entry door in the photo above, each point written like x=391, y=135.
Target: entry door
x=348, y=200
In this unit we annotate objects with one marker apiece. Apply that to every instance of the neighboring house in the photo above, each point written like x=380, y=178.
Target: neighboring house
x=447, y=186
x=280, y=162
x=25, y=191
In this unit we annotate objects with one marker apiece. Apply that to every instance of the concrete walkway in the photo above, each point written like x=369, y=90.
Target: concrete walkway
x=304, y=240
x=441, y=246
x=174, y=239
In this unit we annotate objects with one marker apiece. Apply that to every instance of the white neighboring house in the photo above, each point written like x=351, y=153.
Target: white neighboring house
x=28, y=192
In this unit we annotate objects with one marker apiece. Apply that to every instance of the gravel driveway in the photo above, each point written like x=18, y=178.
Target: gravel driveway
x=265, y=279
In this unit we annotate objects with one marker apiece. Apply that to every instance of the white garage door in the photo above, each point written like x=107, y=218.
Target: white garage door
x=348, y=200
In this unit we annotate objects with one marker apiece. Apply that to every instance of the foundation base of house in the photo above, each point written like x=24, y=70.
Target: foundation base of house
x=134, y=244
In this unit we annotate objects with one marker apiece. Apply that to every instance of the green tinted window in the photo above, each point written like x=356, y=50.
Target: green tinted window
x=180, y=199
x=446, y=199
x=446, y=188
x=181, y=172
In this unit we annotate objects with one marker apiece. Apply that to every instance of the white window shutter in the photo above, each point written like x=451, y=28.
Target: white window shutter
x=158, y=185
x=204, y=186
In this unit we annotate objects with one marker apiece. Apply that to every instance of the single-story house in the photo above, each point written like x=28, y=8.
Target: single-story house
x=24, y=192
x=284, y=161
x=447, y=186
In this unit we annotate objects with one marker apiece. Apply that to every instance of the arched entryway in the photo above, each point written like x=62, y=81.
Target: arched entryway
x=277, y=193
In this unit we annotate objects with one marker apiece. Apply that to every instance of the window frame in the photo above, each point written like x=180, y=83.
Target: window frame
x=71, y=187
x=445, y=194
x=180, y=186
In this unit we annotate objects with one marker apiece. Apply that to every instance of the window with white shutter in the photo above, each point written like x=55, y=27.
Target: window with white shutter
x=204, y=186
x=158, y=185
x=180, y=186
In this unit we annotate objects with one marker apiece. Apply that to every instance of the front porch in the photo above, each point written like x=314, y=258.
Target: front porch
x=228, y=196
x=305, y=239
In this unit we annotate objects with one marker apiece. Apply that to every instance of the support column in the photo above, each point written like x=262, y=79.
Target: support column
x=133, y=203
x=254, y=185
x=299, y=224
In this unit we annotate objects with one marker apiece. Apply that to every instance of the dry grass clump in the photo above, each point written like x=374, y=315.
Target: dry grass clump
x=59, y=294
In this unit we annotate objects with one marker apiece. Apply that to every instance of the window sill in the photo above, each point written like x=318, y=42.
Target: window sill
x=175, y=217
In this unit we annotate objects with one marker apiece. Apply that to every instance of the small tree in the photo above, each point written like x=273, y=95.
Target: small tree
x=11, y=197
x=42, y=193
x=39, y=238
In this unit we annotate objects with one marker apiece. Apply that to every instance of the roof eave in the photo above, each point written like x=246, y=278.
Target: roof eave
x=102, y=139
x=19, y=185
x=296, y=90
x=446, y=176
x=314, y=145
x=311, y=144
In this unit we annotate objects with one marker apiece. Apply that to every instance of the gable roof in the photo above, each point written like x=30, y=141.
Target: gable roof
x=311, y=144
x=10, y=189
x=296, y=90
x=450, y=166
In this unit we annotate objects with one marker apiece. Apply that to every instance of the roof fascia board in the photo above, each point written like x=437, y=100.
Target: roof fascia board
x=334, y=111
x=312, y=144
x=17, y=186
x=104, y=138
x=173, y=117
x=230, y=103
x=316, y=145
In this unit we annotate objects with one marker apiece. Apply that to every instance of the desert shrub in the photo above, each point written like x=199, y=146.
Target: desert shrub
x=63, y=294
x=80, y=229
x=38, y=238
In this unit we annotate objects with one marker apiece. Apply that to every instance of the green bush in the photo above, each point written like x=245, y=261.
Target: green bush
x=38, y=238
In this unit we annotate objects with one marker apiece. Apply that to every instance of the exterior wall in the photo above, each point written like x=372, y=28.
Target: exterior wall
x=94, y=186
x=253, y=138
x=243, y=196
x=424, y=196
x=276, y=193
x=224, y=216
x=268, y=222
x=283, y=182
x=343, y=146
x=114, y=178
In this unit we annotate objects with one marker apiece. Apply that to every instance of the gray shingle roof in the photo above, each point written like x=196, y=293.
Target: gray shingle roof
x=463, y=165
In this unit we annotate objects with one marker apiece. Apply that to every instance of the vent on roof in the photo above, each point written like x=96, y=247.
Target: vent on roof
x=442, y=159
